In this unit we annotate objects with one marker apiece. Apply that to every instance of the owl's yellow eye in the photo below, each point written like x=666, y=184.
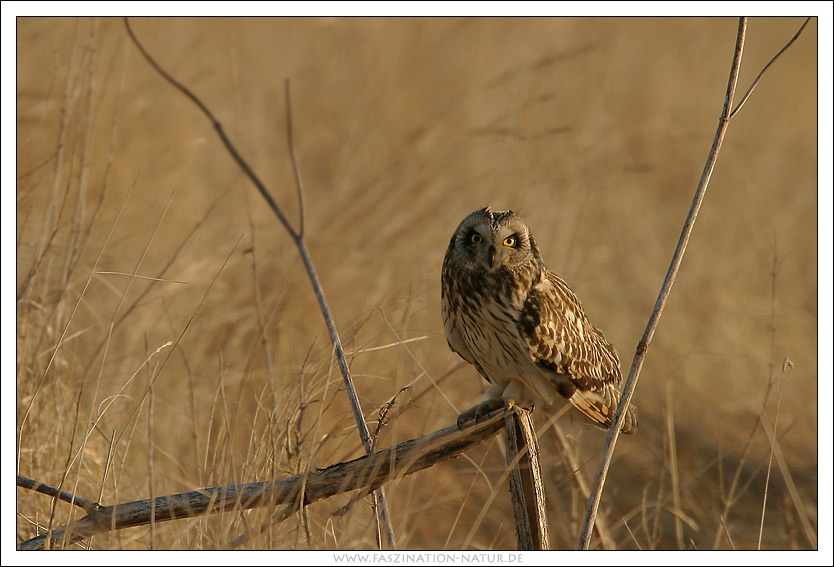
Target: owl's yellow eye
x=477, y=238
x=510, y=241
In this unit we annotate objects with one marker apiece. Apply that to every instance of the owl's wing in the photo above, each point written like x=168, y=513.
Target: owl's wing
x=583, y=366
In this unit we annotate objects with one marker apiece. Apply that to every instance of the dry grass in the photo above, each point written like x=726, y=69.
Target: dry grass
x=219, y=371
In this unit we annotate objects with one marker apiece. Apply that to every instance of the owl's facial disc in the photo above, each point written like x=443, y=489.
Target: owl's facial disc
x=491, y=240
x=492, y=248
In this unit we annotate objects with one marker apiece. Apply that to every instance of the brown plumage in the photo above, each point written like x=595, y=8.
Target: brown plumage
x=520, y=324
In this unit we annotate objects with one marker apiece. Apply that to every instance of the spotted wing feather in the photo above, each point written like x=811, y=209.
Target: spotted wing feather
x=585, y=367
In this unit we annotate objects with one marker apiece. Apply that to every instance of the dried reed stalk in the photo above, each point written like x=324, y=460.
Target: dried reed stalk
x=628, y=390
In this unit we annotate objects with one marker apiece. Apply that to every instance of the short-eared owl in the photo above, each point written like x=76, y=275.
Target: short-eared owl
x=520, y=325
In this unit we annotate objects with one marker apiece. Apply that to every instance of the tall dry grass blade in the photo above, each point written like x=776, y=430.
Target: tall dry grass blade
x=152, y=526
x=53, y=509
x=479, y=467
x=108, y=463
x=807, y=528
x=41, y=379
x=77, y=454
x=633, y=537
x=731, y=498
x=771, y=379
x=574, y=468
x=726, y=531
x=673, y=465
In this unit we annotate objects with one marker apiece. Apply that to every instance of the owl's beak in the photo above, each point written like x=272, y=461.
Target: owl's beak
x=491, y=257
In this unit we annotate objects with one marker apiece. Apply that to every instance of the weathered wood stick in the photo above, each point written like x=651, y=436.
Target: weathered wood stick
x=367, y=472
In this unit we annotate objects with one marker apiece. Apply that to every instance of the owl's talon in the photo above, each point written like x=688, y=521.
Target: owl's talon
x=479, y=411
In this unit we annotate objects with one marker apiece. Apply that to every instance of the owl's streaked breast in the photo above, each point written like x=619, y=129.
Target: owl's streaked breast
x=487, y=309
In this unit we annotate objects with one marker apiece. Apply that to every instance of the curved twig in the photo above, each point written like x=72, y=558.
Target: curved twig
x=365, y=473
x=766, y=67
x=291, y=143
x=297, y=236
x=220, y=132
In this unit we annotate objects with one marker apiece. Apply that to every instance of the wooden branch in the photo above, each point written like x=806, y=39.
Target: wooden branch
x=643, y=345
x=365, y=473
x=298, y=238
x=526, y=485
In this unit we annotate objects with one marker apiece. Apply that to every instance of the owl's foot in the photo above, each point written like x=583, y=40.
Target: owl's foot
x=480, y=411
x=515, y=396
x=527, y=406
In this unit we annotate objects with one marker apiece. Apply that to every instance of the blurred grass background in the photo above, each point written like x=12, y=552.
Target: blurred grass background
x=594, y=130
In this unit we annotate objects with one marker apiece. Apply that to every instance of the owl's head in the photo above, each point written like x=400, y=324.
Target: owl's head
x=490, y=240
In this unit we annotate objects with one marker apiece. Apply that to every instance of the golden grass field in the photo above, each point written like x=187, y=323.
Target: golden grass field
x=594, y=130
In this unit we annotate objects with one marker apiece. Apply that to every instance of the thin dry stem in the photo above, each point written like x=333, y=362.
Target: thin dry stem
x=299, y=184
x=807, y=528
x=297, y=237
x=726, y=531
x=771, y=378
x=642, y=347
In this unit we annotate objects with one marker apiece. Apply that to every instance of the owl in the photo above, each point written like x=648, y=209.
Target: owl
x=521, y=326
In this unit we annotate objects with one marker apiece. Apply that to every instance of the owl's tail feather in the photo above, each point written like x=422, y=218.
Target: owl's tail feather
x=600, y=406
